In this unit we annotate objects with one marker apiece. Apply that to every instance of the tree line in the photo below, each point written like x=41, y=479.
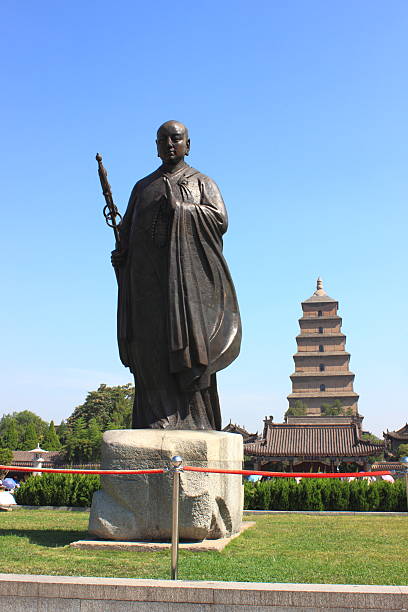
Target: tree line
x=79, y=437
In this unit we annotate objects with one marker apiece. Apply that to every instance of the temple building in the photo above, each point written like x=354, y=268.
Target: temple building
x=394, y=439
x=238, y=429
x=324, y=444
x=322, y=377
x=322, y=429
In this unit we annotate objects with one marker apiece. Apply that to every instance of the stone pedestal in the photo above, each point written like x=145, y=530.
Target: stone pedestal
x=139, y=507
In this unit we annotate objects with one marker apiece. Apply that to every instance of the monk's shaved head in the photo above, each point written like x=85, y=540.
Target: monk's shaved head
x=171, y=125
x=172, y=142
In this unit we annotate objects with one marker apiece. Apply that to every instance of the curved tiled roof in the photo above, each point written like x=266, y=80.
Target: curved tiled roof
x=234, y=428
x=28, y=457
x=301, y=440
x=399, y=434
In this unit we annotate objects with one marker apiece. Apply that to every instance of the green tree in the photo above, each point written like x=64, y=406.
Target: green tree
x=51, y=441
x=332, y=409
x=30, y=438
x=62, y=432
x=9, y=436
x=369, y=437
x=94, y=436
x=298, y=409
x=22, y=421
x=26, y=418
x=107, y=405
x=402, y=450
x=76, y=443
x=83, y=442
x=6, y=456
x=103, y=409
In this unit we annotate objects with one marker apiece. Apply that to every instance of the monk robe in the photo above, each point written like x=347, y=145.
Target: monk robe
x=178, y=316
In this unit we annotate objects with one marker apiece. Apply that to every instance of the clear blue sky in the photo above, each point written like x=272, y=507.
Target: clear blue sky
x=297, y=109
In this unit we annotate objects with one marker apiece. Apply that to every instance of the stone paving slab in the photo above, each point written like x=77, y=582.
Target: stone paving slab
x=204, y=546
x=23, y=593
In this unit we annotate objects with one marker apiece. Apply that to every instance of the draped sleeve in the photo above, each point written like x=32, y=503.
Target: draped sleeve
x=204, y=320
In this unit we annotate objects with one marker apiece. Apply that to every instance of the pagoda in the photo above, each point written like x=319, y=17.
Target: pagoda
x=322, y=378
x=322, y=429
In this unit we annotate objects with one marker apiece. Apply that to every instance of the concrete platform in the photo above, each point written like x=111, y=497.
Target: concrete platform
x=25, y=593
x=204, y=546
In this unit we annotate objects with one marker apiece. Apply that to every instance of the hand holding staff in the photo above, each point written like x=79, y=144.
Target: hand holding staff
x=110, y=212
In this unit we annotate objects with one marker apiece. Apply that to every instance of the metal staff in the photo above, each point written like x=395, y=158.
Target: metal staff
x=177, y=463
x=112, y=216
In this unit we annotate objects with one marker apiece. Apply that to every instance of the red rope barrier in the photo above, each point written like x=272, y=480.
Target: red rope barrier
x=188, y=468
x=12, y=468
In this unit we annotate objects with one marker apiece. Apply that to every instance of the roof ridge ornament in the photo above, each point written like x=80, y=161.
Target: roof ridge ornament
x=320, y=295
x=319, y=287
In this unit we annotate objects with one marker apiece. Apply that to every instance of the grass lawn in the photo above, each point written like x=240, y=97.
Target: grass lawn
x=281, y=548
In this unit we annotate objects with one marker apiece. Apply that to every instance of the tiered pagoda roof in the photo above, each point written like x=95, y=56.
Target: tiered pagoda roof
x=322, y=373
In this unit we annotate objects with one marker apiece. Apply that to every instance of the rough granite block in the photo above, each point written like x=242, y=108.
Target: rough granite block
x=140, y=507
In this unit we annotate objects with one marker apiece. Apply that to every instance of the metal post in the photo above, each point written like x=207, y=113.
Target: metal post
x=406, y=485
x=177, y=463
x=404, y=462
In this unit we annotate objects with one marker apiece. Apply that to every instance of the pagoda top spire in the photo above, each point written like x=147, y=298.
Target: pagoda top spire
x=319, y=287
x=320, y=294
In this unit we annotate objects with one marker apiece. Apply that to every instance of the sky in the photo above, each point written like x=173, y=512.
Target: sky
x=296, y=109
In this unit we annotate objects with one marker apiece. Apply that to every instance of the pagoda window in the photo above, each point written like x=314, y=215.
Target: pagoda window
x=321, y=348
x=322, y=387
x=322, y=367
x=320, y=330
x=320, y=313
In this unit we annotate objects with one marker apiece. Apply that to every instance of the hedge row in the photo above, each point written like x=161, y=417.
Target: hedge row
x=274, y=494
x=58, y=490
x=326, y=494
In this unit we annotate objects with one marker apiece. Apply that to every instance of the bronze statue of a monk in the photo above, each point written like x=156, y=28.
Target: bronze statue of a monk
x=178, y=316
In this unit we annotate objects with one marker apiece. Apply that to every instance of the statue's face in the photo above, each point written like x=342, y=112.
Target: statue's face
x=172, y=142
